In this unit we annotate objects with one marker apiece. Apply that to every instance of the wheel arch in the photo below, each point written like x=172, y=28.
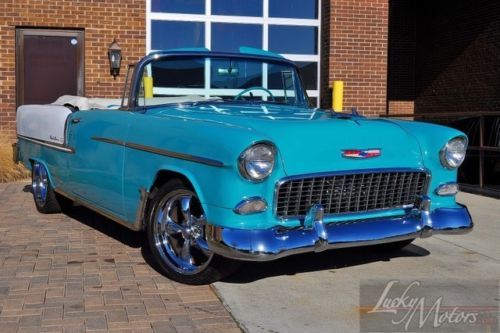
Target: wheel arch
x=165, y=174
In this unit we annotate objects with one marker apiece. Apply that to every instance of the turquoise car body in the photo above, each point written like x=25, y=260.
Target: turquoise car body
x=117, y=156
x=308, y=141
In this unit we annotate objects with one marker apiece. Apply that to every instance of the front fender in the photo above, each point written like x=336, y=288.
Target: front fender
x=432, y=138
x=219, y=189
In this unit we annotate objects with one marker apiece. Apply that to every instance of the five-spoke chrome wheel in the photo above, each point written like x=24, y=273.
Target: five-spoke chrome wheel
x=176, y=236
x=179, y=232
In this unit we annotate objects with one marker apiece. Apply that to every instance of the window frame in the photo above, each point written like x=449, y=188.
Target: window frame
x=138, y=70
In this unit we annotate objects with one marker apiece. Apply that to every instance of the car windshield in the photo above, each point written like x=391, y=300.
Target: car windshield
x=202, y=79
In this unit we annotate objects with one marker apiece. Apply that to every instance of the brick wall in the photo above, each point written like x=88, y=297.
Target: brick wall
x=101, y=20
x=458, y=51
x=355, y=48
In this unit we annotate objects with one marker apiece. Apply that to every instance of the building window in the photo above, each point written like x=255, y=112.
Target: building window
x=178, y=6
x=301, y=9
x=309, y=73
x=237, y=7
x=176, y=34
x=289, y=27
x=228, y=37
x=288, y=39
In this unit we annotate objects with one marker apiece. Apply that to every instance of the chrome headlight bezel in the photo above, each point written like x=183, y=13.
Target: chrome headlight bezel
x=245, y=167
x=452, y=155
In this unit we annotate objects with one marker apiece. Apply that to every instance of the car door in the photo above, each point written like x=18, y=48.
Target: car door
x=96, y=167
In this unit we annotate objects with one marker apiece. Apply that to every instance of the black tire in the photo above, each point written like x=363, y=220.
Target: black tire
x=395, y=246
x=197, y=265
x=46, y=200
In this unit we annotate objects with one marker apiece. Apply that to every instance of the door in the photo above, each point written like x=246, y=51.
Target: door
x=96, y=167
x=49, y=64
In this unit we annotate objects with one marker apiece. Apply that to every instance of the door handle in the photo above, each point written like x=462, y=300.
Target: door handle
x=75, y=120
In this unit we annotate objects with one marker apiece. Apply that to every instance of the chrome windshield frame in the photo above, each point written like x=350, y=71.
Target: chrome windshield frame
x=135, y=86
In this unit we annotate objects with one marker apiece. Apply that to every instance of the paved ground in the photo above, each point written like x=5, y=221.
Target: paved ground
x=320, y=293
x=61, y=273
x=83, y=272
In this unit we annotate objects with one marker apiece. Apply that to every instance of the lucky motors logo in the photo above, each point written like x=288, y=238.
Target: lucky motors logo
x=415, y=306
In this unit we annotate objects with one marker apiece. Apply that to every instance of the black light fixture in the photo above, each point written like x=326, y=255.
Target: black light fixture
x=115, y=58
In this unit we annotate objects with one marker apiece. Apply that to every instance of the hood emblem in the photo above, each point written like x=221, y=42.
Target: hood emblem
x=361, y=153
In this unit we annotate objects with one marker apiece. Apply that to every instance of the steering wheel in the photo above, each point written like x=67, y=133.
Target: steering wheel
x=240, y=95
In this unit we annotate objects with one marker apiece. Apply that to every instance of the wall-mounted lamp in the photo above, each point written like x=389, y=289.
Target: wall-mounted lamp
x=115, y=58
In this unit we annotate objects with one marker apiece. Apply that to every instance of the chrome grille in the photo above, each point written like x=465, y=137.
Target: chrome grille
x=349, y=193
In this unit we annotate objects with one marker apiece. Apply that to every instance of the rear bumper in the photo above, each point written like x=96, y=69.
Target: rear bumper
x=315, y=236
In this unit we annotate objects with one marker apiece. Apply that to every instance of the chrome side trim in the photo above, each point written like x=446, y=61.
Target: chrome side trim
x=110, y=141
x=136, y=226
x=315, y=236
x=158, y=151
x=47, y=144
x=347, y=172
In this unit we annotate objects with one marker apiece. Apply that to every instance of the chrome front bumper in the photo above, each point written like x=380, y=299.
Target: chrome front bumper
x=315, y=236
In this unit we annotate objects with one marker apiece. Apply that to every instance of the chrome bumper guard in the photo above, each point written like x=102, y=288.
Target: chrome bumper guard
x=316, y=236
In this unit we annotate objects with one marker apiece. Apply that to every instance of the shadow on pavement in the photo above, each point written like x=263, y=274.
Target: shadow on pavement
x=106, y=226
x=102, y=224
x=134, y=239
x=328, y=260
x=112, y=229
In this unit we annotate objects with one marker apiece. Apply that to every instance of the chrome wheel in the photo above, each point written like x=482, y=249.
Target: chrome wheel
x=178, y=231
x=40, y=183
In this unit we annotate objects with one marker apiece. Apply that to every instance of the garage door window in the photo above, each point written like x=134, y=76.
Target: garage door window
x=288, y=27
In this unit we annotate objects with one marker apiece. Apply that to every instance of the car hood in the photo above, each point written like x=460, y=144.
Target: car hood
x=310, y=139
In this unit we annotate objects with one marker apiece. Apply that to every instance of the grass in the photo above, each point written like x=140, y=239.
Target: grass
x=10, y=171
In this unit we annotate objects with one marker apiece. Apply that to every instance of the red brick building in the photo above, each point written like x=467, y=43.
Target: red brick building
x=394, y=56
x=98, y=21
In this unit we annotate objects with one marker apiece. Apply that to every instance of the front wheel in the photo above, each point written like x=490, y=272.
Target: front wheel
x=175, y=231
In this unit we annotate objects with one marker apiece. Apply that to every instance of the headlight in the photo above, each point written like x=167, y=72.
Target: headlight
x=257, y=162
x=453, y=153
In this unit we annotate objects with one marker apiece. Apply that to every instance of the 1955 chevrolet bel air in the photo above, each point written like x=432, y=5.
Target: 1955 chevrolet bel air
x=219, y=158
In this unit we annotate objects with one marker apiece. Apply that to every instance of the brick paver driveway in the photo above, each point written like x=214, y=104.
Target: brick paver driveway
x=77, y=272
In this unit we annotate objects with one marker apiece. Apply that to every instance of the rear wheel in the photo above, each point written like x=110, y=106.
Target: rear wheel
x=46, y=200
x=176, y=236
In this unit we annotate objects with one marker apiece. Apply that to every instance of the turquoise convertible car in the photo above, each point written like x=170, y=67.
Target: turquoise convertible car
x=219, y=158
